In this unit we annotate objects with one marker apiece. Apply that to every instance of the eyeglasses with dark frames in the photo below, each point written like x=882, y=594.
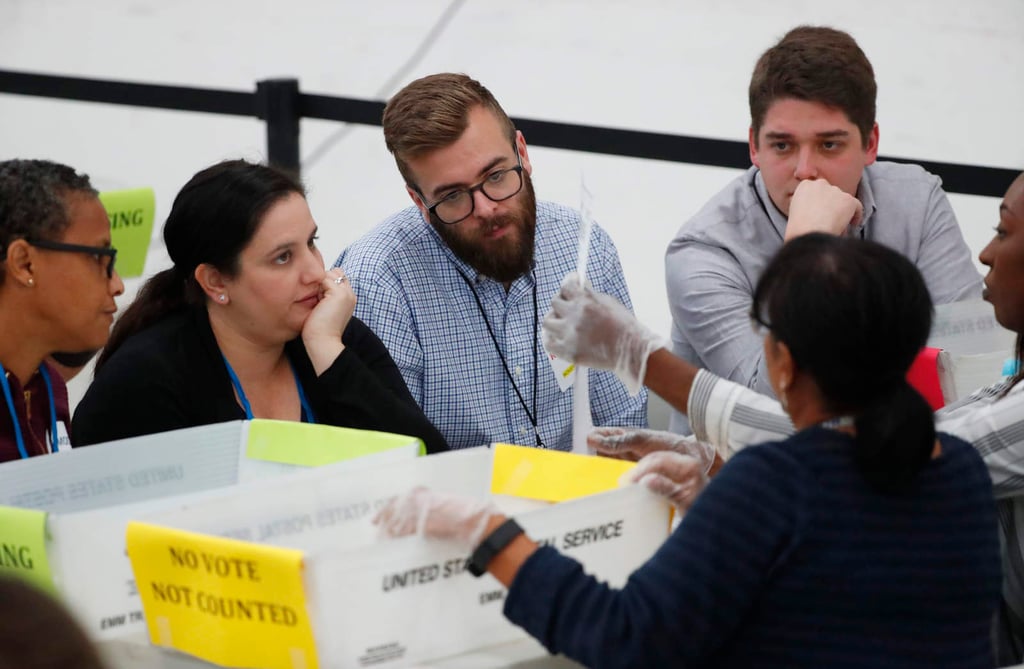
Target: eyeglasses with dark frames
x=497, y=186
x=100, y=252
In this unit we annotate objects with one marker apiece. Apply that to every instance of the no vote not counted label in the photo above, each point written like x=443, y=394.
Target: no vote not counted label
x=226, y=601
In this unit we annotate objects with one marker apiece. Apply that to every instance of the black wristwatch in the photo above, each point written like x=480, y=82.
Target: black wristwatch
x=493, y=544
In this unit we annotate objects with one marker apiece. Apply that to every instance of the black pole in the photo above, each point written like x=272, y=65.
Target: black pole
x=278, y=104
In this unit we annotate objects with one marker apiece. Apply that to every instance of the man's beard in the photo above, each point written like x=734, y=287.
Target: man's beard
x=504, y=259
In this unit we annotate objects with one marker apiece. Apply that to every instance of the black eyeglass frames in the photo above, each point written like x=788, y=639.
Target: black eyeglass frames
x=99, y=251
x=497, y=186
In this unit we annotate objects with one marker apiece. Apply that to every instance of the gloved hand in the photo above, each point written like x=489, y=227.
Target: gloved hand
x=596, y=330
x=676, y=477
x=634, y=443
x=436, y=515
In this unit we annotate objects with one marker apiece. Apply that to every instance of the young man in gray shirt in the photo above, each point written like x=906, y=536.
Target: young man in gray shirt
x=812, y=109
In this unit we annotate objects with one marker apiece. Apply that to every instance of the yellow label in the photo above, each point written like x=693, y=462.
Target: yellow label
x=131, y=213
x=23, y=546
x=229, y=602
x=552, y=476
x=313, y=444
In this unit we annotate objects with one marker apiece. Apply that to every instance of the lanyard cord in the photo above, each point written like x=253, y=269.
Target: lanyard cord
x=53, y=407
x=307, y=411
x=504, y=363
x=18, y=438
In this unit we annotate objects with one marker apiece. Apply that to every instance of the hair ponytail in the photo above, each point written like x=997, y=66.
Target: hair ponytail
x=163, y=294
x=854, y=315
x=895, y=438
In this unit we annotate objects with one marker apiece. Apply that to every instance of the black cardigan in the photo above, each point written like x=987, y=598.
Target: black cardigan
x=172, y=375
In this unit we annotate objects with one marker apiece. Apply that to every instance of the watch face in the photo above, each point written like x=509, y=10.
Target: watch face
x=493, y=544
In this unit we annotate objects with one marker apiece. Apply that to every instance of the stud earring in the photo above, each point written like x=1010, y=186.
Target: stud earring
x=31, y=282
x=222, y=297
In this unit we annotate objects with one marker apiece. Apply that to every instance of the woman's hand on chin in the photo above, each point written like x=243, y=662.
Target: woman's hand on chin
x=321, y=333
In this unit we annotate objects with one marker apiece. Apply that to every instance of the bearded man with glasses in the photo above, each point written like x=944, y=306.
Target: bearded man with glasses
x=457, y=284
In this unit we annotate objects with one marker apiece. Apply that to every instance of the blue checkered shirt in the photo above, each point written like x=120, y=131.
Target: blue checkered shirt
x=411, y=294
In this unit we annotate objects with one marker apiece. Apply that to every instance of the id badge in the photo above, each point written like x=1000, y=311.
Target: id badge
x=565, y=372
x=63, y=439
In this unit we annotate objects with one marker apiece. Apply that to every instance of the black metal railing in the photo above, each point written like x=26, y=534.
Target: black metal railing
x=281, y=104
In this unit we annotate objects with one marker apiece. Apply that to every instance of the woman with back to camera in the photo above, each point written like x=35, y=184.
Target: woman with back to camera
x=57, y=290
x=730, y=417
x=246, y=324
x=864, y=539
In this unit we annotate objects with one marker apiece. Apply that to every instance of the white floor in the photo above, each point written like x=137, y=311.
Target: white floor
x=946, y=70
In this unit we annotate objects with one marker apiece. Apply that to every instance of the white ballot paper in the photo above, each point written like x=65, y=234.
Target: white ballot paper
x=127, y=470
x=88, y=549
x=582, y=422
x=404, y=602
x=373, y=602
x=408, y=601
x=974, y=347
x=329, y=502
x=91, y=493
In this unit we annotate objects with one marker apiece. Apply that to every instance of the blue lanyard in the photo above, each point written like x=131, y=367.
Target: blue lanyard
x=14, y=416
x=307, y=412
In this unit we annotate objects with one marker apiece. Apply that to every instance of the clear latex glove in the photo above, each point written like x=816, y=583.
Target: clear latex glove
x=596, y=330
x=630, y=443
x=436, y=515
x=676, y=477
x=818, y=206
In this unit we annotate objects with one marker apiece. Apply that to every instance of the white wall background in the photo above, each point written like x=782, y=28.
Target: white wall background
x=950, y=89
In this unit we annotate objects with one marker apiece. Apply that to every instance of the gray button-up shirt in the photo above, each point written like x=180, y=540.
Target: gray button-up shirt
x=716, y=258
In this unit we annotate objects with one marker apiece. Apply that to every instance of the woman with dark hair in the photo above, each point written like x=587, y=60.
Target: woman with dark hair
x=731, y=417
x=246, y=324
x=57, y=290
x=862, y=540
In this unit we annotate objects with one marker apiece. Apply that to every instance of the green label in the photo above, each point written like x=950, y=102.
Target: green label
x=312, y=445
x=131, y=214
x=23, y=546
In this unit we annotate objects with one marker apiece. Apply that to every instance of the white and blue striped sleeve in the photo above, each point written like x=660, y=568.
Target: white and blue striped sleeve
x=731, y=416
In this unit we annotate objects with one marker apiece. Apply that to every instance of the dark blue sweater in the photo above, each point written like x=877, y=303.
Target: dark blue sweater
x=789, y=559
